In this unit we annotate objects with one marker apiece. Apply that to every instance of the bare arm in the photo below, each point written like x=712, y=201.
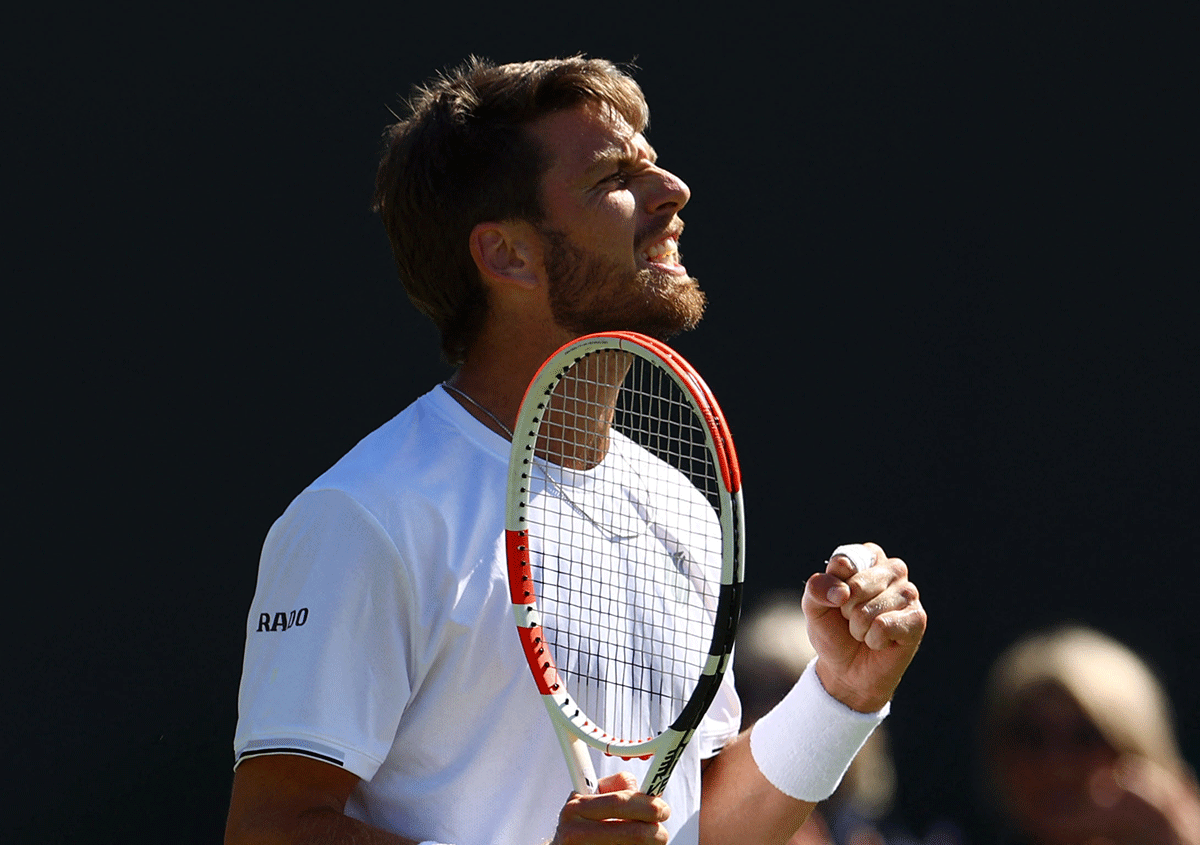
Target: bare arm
x=290, y=799
x=285, y=798
x=740, y=805
x=865, y=627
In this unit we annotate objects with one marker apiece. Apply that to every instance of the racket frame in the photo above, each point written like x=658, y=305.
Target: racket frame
x=574, y=728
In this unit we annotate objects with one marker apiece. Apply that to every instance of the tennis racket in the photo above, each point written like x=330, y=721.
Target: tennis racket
x=625, y=546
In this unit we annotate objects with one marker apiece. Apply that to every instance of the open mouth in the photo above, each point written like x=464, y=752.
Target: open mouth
x=664, y=253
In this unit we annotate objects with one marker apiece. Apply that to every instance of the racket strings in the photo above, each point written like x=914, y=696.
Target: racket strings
x=625, y=543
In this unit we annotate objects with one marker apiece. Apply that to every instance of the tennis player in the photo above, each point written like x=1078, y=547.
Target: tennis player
x=384, y=696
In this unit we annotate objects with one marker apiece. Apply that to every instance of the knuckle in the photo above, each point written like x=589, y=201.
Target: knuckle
x=889, y=624
x=872, y=609
x=907, y=625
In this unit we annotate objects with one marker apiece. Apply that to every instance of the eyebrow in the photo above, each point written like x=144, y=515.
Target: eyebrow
x=620, y=154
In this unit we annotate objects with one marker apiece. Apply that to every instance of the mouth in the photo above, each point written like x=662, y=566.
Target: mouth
x=664, y=254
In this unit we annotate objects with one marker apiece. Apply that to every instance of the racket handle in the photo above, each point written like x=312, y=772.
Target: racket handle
x=579, y=760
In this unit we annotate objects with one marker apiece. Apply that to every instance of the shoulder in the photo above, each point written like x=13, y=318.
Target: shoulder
x=424, y=447
x=430, y=476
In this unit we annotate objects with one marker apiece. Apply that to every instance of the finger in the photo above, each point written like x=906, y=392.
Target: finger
x=868, y=584
x=824, y=591
x=609, y=832
x=904, y=626
x=861, y=596
x=624, y=804
x=876, y=593
x=859, y=557
x=616, y=817
x=828, y=590
x=616, y=783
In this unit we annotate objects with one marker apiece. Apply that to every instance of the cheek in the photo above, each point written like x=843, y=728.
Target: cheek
x=615, y=223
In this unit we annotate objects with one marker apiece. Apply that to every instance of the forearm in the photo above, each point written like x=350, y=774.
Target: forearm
x=740, y=805
x=765, y=784
x=286, y=799
x=314, y=827
x=330, y=828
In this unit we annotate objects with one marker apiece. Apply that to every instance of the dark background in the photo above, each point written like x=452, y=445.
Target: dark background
x=951, y=261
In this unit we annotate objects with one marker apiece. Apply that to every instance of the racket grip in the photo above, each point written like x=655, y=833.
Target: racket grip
x=579, y=760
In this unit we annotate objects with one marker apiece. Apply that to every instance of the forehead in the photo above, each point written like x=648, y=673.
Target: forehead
x=589, y=138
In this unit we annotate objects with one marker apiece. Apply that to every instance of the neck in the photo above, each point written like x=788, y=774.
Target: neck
x=497, y=372
x=578, y=417
x=478, y=409
x=575, y=426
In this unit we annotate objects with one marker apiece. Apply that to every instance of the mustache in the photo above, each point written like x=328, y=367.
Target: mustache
x=672, y=228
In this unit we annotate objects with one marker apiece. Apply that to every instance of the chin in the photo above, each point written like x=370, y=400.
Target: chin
x=680, y=311
x=652, y=301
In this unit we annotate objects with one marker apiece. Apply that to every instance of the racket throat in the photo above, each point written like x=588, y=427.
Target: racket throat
x=675, y=743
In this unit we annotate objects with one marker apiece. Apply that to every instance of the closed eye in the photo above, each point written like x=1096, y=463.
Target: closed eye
x=620, y=179
x=625, y=174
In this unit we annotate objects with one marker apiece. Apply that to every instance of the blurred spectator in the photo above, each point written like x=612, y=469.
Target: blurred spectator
x=1079, y=746
x=772, y=651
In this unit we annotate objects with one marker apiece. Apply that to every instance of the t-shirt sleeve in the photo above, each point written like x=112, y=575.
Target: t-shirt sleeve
x=722, y=721
x=325, y=673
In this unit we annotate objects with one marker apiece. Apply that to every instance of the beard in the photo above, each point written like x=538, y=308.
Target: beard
x=591, y=294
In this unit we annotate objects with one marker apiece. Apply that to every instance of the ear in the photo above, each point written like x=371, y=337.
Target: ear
x=507, y=253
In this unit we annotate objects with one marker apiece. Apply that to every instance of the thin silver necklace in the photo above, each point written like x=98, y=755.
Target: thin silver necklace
x=612, y=535
x=451, y=388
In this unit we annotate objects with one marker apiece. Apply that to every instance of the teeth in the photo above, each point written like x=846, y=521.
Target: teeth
x=664, y=248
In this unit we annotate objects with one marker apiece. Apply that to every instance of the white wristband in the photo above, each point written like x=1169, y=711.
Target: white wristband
x=807, y=742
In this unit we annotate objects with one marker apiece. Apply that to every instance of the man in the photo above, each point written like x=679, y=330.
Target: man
x=525, y=208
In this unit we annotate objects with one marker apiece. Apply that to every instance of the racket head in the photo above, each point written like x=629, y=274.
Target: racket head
x=625, y=538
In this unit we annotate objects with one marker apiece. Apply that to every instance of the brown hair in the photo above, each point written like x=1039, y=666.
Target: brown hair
x=461, y=156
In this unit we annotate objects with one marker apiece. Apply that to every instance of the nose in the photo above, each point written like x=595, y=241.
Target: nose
x=669, y=193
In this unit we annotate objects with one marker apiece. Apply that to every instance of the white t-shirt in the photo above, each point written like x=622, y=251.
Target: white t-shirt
x=381, y=639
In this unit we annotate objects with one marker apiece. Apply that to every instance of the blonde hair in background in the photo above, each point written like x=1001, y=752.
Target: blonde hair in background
x=1113, y=686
